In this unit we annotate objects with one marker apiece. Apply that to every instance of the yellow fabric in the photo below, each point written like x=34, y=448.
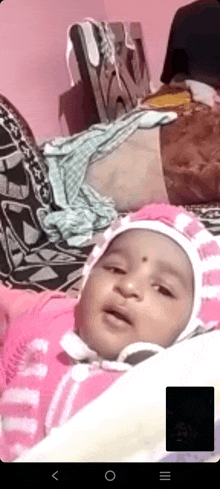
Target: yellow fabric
x=168, y=100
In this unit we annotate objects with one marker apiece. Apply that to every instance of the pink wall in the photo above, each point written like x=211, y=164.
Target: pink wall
x=156, y=17
x=33, y=45
x=32, y=56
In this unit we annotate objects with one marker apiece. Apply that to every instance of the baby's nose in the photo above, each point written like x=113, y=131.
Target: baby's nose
x=131, y=285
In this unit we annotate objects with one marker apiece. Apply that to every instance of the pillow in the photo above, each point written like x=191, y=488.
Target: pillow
x=130, y=415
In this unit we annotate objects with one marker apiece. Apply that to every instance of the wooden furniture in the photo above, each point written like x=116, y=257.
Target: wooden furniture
x=107, y=97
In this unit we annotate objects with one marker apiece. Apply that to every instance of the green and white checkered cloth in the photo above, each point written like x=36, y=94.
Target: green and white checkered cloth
x=84, y=212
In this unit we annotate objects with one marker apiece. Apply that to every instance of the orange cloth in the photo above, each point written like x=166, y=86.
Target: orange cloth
x=162, y=100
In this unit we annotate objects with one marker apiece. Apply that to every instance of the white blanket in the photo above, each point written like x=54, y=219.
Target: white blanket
x=127, y=422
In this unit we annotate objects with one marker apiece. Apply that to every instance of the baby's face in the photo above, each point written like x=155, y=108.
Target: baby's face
x=140, y=290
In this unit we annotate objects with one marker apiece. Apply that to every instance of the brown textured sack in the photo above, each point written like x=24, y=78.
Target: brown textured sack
x=190, y=153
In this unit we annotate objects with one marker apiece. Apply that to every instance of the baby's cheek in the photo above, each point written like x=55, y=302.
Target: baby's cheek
x=187, y=310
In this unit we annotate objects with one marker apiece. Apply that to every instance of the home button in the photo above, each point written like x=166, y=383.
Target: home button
x=110, y=475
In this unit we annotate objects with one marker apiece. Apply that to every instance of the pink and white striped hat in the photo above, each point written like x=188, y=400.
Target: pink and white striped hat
x=200, y=246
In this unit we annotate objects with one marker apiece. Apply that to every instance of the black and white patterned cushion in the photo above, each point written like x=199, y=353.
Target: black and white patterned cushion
x=27, y=259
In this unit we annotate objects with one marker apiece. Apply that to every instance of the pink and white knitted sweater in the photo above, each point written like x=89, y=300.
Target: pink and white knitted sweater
x=44, y=379
x=39, y=387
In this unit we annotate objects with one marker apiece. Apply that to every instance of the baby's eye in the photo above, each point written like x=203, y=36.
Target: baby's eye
x=113, y=269
x=164, y=291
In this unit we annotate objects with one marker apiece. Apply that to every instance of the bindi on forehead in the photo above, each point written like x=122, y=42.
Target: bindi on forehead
x=121, y=251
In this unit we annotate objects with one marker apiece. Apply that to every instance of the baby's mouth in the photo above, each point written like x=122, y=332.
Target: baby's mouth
x=117, y=317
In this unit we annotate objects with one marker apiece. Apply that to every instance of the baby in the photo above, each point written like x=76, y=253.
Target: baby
x=152, y=280
x=140, y=290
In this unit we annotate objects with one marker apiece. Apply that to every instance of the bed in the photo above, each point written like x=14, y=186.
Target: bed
x=30, y=260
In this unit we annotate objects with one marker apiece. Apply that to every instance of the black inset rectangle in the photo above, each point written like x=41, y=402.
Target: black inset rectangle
x=190, y=419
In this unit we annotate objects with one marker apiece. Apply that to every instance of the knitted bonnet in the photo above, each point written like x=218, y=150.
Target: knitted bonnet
x=200, y=246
